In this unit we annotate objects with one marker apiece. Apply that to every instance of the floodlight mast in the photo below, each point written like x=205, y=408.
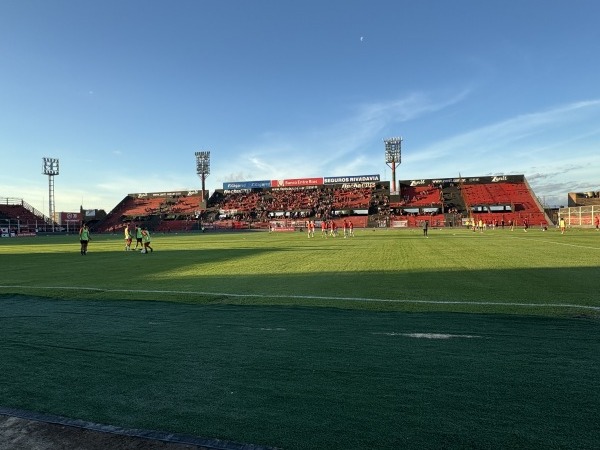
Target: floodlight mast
x=203, y=168
x=393, y=149
x=50, y=168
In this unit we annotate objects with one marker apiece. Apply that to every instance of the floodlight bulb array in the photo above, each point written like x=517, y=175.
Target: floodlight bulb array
x=203, y=162
x=393, y=147
x=50, y=166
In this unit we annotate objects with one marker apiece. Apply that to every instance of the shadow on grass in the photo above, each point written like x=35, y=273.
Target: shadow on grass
x=305, y=377
x=182, y=275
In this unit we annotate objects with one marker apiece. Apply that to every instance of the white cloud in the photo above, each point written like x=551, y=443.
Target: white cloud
x=341, y=147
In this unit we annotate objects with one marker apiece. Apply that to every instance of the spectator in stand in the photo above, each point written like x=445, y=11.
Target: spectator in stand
x=84, y=238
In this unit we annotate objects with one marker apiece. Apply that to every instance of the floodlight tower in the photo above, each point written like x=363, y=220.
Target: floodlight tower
x=50, y=167
x=393, y=148
x=203, y=168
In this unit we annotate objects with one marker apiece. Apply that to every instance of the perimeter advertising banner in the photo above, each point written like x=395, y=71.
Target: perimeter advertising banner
x=294, y=182
x=352, y=179
x=65, y=217
x=466, y=180
x=166, y=194
x=300, y=182
x=246, y=184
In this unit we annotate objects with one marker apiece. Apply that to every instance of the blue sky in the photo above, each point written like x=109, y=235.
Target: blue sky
x=124, y=92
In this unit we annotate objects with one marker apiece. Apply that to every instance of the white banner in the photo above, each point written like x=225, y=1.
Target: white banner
x=399, y=223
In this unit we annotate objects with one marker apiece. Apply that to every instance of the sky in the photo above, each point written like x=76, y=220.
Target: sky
x=124, y=93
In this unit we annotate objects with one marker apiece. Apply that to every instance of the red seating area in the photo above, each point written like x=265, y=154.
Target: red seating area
x=243, y=202
x=146, y=206
x=505, y=200
x=171, y=207
x=315, y=202
x=486, y=194
x=18, y=212
x=357, y=198
x=290, y=200
x=188, y=204
x=517, y=195
x=416, y=196
x=298, y=200
x=19, y=216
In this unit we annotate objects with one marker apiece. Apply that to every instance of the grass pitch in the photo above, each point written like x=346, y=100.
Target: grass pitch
x=541, y=273
x=385, y=340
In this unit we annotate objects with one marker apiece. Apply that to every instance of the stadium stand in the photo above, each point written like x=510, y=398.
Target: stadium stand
x=504, y=202
x=20, y=216
x=164, y=211
x=442, y=202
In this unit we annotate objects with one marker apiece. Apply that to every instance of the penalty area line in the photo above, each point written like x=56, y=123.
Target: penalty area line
x=308, y=297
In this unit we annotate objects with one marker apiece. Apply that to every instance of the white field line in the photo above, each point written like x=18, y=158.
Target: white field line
x=557, y=243
x=432, y=335
x=309, y=297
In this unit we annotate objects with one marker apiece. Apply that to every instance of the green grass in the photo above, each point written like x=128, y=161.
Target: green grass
x=387, y=340
x=453, y=270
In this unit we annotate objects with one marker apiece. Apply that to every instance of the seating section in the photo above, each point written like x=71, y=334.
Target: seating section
x=516, y=197
x=416, y=196
x=18, y=212
x=317, y=202
x=181, y=210
x=445, y=204
x=358, y=198
x=19, y=215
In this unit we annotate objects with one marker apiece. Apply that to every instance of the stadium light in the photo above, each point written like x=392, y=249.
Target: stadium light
x=50, y=168
x=203, y=168
x=393, y=149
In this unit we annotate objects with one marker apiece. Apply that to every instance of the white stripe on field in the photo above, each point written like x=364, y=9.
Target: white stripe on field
x=310, y=297
x=557, y=243
x=432, y=335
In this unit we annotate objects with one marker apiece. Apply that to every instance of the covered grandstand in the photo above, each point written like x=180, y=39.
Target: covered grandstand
x=19, y=218
x=365, y=200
